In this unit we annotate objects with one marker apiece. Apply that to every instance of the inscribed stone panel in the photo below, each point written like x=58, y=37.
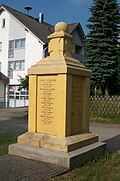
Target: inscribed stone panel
x=46, y=106
x=76, y=114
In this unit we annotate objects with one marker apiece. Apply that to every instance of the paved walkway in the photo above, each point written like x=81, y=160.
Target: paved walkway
x=110, y=134
x=15, y=168
x=13, y=121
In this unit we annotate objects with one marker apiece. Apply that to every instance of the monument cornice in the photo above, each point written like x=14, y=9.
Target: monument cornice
x=59, y=64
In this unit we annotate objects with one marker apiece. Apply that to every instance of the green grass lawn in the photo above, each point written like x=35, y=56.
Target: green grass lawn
x=4, y=143
x=105, y=118
x=104, y=168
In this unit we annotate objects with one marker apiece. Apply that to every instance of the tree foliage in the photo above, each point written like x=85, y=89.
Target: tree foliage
x=101, y=44
x=24, y=82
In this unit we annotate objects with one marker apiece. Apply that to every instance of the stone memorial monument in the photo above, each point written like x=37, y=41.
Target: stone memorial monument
x=58, y=117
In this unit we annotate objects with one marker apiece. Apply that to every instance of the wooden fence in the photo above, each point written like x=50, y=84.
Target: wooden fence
x=105, y=105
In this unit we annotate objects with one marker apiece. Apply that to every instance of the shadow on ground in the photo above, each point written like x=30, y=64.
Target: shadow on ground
x=113, y=144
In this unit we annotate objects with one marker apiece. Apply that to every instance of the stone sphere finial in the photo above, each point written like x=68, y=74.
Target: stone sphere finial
x=61, y=26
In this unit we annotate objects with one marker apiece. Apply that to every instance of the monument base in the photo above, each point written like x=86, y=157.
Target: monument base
x=70, y=152
x=70, y=160
x=65, y=144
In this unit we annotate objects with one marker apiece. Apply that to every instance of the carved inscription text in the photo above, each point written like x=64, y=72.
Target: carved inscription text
x=47, y=89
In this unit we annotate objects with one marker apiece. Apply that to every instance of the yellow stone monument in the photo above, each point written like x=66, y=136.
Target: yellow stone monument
x=58, y=119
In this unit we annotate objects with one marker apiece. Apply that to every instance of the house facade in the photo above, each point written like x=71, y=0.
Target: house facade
x=23, y=42
x=3, y=83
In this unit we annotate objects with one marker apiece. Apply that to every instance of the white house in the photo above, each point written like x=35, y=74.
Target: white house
x=3, y=82
x=23, y=42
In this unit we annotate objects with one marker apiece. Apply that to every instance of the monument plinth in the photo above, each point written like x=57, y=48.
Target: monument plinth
x=58, y=120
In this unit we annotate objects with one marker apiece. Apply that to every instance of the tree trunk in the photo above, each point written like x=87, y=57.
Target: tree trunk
x=95, y=91
x=106, y=90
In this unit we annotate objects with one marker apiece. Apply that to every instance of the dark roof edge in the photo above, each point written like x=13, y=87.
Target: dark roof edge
x=72, y=26
x=20, y=21
x=4, y=78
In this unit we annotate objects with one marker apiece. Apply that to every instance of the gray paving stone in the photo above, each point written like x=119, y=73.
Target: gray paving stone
x=16, y=168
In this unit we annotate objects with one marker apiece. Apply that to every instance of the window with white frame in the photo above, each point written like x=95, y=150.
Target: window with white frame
x=11, y=45
x=10, y=74
x=15, y=44
x=11, y=65
x=18, y=43
x=16, y=65
x=3, y=23
x=11, y=49
x=0, y=46
x=22, y=65
x=22, y=43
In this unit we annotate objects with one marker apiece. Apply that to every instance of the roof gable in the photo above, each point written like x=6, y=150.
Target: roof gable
x=78, y=27
x=40, y=30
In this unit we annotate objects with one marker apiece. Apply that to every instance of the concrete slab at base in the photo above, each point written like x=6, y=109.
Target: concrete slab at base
x=70, y=160
x=66, y=144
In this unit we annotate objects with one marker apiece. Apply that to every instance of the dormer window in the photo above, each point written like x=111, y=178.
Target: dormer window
x=3, y=23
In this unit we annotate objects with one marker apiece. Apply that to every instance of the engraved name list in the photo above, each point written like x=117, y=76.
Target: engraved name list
x=47, y=100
